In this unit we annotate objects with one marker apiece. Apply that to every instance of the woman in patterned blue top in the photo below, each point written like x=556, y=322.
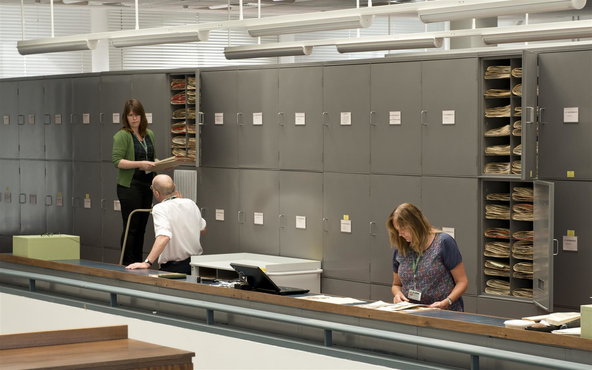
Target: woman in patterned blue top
x=427, y=265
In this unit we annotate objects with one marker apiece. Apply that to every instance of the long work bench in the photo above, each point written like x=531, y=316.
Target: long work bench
x=487, y=331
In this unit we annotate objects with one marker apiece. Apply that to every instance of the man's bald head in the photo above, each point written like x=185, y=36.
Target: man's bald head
x=164, y=185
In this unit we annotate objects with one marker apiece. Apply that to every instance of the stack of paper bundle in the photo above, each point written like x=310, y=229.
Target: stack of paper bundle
x=497, y=168
x=497, y=249
x=517, y=128
x=516, y=167
x=503, y=111
x=517, y=90
x=497, y=287
x=517, y=72
x=517, y=150
x=497, y=232
x=498, y=132
x=523, y=249
x=523, y=270
x=497, y=93
x=495, y=268
x=522, y=212
x=523, y=194
x=497, y=150
x=498, y=196
x=497, y=212
x=497, y=72
x=523, y=235
x=522, y=292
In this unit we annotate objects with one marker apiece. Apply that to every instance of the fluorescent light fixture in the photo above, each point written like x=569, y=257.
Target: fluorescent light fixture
x=539, y=32
x=388, y=43
x=269, y=50
x=494, y=9
x=160, y=38
x=282, y=26
x=41, y=46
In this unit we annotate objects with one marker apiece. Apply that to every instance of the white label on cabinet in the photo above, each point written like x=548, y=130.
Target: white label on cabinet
x=149, y=118
x=86, y=118
x=346, y=226
x=301, y=222
x=258, y=218
x=33, y=198
x=346, y=118
x=570, y=243
x=60, y=200
x=395, y=118
x=300, y=119
x=219, y=215
x=218, y=118
x=57, y=119
x=571, y=115
x=115, y=117
x=116, y=205
x=87, y=202
x=448, y=117
x=449, y=231
x=31, y=119
x=257, y=119
x=7, y=120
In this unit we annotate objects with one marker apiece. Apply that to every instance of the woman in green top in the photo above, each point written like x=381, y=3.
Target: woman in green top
x=134, y=155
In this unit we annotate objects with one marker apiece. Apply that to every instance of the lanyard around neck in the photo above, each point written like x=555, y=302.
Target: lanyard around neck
x=415, y=262
x=169, y=198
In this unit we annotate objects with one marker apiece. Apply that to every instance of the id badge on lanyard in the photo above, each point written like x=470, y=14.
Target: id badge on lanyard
x=414, y=293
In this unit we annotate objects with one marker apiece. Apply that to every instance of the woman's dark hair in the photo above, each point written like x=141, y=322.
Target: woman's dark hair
x=134, y=106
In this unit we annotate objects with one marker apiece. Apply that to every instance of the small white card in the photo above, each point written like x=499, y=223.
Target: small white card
x=570, y=243
x=346, y=226
x=449, y=231
x=116, y=205
x=31, y=119
x=414, y=294
x=395, y=118
x=448, y=117
x=257, y=119
x=115, y=117
x=346, y=119
x=59, y=201
x=57, y=119
x=218, y=118
x=299, y=119
x=7, y=120
x=258, y=218
x=301, y=222
x=86, y=118
x=571, y=115
x=148, y=118
x=86, y=202
x=219, y=215
x=32, y=198
x=7, y=197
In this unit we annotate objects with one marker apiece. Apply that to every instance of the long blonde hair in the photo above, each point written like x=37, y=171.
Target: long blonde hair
x=410, y=217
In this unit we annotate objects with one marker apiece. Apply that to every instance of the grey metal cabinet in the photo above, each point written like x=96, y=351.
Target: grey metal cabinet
x=395, y=119
x=258, y=119
x=86, y=126
x=115, y=91
x=151, y=91
x=220, y=129
x=572, y=274
x=111, y=218
x=301, y=214
x=565, y=115
x=9, y=131
x=30, y=119
x=86, y=203
x=56, y=118
x=218, y=199
x=345, y=288
x=32, y=196
x=300, y=118
x=58, y=189
x=10, y=209
x=259, y=210
x=346, y=100
x=450, y=103
x=386, y=193
x=346, y=226
x=452, y=203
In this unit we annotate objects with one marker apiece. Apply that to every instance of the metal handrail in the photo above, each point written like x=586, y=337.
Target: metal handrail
x=470, y=349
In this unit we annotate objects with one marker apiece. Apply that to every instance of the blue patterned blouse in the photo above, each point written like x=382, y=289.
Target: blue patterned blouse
x=433, y=278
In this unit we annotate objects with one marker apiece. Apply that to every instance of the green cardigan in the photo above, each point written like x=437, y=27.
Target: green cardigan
x=123, y=148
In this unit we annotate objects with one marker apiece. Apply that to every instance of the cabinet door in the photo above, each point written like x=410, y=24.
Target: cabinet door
x=529, y=114
x=258, y=120
x=9, y=129
x=386, y=193
x=58, y=110
x=300, y=118
x=30, y=120
x=220, y=130
x=301, y=214
x=58, y=186
x=346, y=99
x=151, y=90
x=115, y=91
x=218, y=194
x=86, y=126
x=86, y=202
x=562, y=92
x=111, y=218
x=10, y=215
x=259, y=207
x=32, y=197
x=346, y=226
x=452, y=203
x=395, y=124
x=450, y=101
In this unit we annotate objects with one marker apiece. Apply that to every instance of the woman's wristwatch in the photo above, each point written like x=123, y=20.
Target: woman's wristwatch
x=150, y=263
x=449, y=301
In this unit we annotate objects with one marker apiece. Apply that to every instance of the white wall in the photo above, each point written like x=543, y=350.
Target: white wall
x=20, y=314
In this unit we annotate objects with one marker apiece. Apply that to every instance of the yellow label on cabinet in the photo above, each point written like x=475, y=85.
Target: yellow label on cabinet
x=571, y=233
x=345, y=217
x=571, y=174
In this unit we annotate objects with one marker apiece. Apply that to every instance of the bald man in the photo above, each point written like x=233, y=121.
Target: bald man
x=177, y=225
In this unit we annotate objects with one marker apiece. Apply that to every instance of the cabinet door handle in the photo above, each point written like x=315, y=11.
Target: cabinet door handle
x=326, y=119
x=372, y=233
x=282, y=225
x=202, y=118
x=50, y=200
x=239, y=119
x=555, y=247
x=529, y=115
x=239, y=217
x=541, y=120
x=21, y=119
x=22, y=198
x=46, y=119
x=281, y=118
x=101, y=115
x=325, y=221
x=424, y=117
